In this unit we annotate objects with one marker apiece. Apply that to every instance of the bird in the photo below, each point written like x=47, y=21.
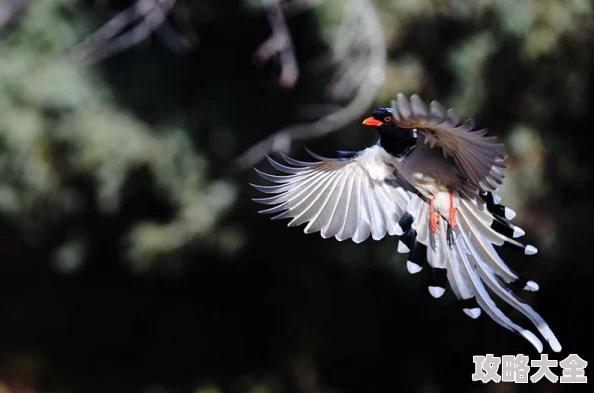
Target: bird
x=429, y=180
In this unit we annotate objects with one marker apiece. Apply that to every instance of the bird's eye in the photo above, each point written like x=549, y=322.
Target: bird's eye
x=387, y=119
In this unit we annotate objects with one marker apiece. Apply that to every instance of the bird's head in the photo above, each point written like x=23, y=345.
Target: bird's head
x=381, y=119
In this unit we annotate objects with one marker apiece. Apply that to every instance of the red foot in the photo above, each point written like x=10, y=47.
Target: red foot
x=433, y=215
x=452, y=216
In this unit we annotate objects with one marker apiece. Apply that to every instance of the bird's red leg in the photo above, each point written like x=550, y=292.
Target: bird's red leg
x=433, y=215
x=452, y=216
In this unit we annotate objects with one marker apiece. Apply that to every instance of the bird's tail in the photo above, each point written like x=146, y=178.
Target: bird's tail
x=465, y=257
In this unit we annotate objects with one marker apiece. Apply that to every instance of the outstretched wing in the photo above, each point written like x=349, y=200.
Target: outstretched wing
x=350, y=197
x=478, y=157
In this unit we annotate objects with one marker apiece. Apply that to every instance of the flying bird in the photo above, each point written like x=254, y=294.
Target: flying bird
x=431, y=181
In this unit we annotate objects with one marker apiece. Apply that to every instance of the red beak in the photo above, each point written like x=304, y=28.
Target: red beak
x=372, y=121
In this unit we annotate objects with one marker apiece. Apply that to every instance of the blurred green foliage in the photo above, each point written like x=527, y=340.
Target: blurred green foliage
x=60, y=121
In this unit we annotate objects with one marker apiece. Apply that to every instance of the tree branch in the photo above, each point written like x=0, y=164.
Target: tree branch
x=9, y=9
x=367, y=77
x=280, y=43
x=111, y=38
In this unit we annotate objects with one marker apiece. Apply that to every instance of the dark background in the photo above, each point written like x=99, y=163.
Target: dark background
x=133, y=259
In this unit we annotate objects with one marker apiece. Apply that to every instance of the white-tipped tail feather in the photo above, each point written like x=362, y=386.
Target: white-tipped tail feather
x=362, y=196
x=468, y=255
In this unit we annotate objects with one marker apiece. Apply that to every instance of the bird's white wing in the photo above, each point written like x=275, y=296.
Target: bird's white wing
x=350, y=197
x=477, y=157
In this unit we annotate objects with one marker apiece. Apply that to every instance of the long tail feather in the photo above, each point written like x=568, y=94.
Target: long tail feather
x=459, y=278
x=486, y=302
x=474, y=266
x=465, y=258
x=489, y=278
x=408, y=228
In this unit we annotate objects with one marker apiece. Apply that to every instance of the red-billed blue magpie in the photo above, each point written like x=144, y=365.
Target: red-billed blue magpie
x=429, y=180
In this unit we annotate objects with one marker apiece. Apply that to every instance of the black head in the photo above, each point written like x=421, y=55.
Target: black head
x=397, y=141
x=381, y=119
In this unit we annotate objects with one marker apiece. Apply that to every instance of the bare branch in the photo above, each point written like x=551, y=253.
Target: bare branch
x=9, y=9
x=367, y=75
x=111, y=38
x=279, y=43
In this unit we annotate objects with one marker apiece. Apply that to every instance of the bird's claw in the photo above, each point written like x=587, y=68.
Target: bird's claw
x=452, y=220
x=433, y=215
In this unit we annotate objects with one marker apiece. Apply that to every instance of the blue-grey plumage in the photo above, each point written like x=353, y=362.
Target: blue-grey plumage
x=429, y=181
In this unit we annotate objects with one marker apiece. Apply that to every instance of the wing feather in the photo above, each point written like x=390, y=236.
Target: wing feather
x=351, y=219
x=338, y=213
x=316, y=223
x=307, y=204
x=475, y=155
x=345, y=198
x=363, y=229
x=327, y=214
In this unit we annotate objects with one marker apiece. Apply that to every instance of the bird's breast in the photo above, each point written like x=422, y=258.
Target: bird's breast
x=428, y=171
